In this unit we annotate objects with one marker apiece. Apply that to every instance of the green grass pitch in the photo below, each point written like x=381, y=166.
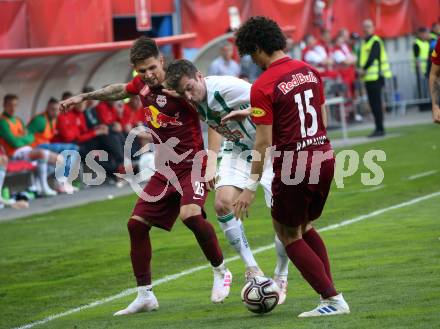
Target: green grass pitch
x=387, y=266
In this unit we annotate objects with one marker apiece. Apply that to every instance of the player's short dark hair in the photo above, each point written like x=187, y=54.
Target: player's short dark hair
x=8, y=98
x=66, y=95
x=142, y=49
x=259, y=32
x=52, y=100
x=87, y=89
x=177, y=69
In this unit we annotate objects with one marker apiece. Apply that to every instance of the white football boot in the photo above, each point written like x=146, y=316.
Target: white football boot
x=62, y=185
x=331, y=306
x=252, y=272
x=144, y=302
x=282, y=284
x=47, y=191
x=222, y=283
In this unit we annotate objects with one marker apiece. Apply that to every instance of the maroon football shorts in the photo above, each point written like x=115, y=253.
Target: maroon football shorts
x=293, y=205
x=164, y=212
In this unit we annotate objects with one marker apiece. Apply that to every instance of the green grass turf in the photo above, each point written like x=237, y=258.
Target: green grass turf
x=387, y=266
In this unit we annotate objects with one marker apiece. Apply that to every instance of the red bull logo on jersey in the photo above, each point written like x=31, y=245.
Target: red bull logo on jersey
x=297, y=79
x=159, y=119
x=161, y=100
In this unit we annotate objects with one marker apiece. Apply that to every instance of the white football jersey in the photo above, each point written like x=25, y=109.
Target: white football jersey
x=226, y=94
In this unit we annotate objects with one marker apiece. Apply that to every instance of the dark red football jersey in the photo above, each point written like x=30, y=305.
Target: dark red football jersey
x=289, y=96
x=171, y=119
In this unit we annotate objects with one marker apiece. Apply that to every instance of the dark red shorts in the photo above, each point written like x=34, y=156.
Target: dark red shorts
x=164, y=211
x=293, y=205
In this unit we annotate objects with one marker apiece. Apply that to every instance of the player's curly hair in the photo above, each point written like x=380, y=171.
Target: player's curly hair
x=142, y=49
x=259, y=32
x=176, y=70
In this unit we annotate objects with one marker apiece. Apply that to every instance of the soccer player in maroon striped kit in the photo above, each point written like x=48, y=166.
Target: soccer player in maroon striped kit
x=176, y=132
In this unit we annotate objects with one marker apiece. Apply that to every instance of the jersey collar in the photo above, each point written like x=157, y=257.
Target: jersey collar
x=280, y=61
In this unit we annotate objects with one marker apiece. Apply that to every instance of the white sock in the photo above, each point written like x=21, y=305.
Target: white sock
x=42, y=175
x=234, y=233
x=282, y=267
x=42, y=171
x=145, y=291
x=2, y=177
x=221, y=268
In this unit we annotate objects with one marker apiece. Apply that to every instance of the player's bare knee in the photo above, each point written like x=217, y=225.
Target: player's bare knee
x=287, y=234
x=222, y=205
x=136, y=219
x=189, y=210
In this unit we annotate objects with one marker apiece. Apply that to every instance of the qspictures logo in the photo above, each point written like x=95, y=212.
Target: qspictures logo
x=348, y=163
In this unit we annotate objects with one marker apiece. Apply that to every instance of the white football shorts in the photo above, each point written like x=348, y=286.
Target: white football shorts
x=235, y=171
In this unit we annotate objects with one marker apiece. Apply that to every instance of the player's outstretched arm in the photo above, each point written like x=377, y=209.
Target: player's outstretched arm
x=214, y=144
x=434, y=87
x=324, y=115
x=111, y=92
x=263, y=141
x=236, y=115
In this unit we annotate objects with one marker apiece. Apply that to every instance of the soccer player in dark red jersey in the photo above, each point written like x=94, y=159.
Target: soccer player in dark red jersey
x=176, y=132
x=288, y=110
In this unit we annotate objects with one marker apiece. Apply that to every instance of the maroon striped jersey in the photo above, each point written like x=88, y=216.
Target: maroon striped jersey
x=170, y=119
x=289, y=96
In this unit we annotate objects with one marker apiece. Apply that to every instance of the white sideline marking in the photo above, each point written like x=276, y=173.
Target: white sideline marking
x=172, y=277
x=374, y=188
x=423, y=174
x=365, y=190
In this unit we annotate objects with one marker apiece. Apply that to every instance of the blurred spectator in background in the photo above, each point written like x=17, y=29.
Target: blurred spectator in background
x=355, y=43
x=374, y=68
x=225, y=64
x=90, y=110
x=421, y=50
x=75, y=127
x=20, y=204
x=326, y=41
x=43, y=126
x=345, y=62
x=72, y=128
x=249, y=70
x=16, y=141
x=108, y=115
x=132, y=114
x=316, y=55
x=290, y=47
x=345, y=34
x=420, y=58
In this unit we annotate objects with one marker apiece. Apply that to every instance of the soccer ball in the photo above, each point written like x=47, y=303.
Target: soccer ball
x=260, y=295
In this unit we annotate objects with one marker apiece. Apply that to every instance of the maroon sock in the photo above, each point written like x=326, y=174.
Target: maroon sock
x=313, y=239
x=206, y=237
x=140, y=251
x=311, y=267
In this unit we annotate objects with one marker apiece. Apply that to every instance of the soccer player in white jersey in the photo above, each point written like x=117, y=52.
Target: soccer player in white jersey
x=223, y=102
